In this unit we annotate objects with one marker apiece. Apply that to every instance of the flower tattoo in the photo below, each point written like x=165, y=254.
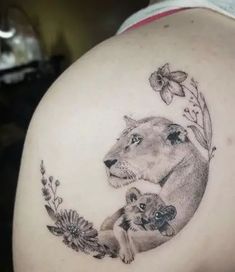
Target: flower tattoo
x=119, y=233
x=77, y=232
x=168, y=83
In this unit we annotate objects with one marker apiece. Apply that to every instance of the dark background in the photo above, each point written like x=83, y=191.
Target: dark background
x=66, y=29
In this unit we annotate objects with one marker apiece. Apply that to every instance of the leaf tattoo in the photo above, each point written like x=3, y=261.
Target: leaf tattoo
x=199, y=136
x=207, y=123
x=55, y=230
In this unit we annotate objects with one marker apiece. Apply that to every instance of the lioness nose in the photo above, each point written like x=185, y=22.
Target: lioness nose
x=109, y=163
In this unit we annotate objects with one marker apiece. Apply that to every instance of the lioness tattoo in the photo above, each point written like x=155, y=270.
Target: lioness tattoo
x=152, y=149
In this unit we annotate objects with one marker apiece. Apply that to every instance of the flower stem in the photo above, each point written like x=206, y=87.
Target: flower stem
x=52, y=203
x=49, y=204
x=54, y=196
x=197, y=104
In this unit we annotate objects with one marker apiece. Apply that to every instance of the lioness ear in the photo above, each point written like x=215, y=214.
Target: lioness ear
x=129, y=121
x=132, y=195
x=176, y=134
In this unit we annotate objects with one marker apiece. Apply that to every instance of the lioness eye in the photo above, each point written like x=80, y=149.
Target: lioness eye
x=136, y=139
x=142, y=206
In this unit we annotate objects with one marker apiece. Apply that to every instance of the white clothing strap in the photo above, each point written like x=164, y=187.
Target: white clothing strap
x=225, y=7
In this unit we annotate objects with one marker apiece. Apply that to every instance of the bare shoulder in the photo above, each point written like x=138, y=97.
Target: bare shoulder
x=146, y=107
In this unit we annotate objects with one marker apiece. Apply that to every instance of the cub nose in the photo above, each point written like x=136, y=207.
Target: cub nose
x=144, y=221
x=109, y=163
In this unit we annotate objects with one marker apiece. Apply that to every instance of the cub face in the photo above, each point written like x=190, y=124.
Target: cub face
x=147, y=149
x=146, y=212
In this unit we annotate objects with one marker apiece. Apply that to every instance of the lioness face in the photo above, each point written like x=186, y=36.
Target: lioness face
x=147, y=149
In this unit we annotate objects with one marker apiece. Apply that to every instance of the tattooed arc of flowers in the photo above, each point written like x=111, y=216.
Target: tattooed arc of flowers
x=172, y=83
x=77, y=232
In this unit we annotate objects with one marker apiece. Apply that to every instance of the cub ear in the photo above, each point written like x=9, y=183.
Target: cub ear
x=170, y=212
x=132, y=195
x=129, y=121
x=176, y=134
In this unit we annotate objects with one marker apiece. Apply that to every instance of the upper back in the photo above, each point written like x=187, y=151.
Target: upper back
x=78, y=119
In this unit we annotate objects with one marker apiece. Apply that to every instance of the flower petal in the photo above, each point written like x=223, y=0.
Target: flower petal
x=175, y=88
x=156, y=81
x=178, y=76
x=69, y=238
x=165, y=70
x=166, y=95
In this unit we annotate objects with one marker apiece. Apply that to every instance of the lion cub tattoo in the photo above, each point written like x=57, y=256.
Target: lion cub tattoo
x=142, y=213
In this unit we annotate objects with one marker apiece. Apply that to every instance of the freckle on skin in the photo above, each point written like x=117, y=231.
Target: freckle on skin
x=192, y=21
x=229, y=141
x=166, y=26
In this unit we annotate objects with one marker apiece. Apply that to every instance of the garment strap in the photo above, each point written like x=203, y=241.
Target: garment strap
x=225, y=7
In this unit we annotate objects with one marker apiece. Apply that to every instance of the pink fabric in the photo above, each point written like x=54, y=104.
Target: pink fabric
x=154, y=18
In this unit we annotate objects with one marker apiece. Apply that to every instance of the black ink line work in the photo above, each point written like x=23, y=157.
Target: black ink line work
x=142, y=212
x=49, y=190
x=152, y=149
x=168, y=84
x=77, y=233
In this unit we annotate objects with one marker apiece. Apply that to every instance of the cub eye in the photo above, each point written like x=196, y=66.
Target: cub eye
x=157, y=215
x=142, y=206
x=136, y=139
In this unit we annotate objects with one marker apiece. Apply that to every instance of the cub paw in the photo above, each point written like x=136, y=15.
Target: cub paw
x=126, y=255
x=169, y=231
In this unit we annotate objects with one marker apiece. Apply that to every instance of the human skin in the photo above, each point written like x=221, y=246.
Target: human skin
x=90, y=98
